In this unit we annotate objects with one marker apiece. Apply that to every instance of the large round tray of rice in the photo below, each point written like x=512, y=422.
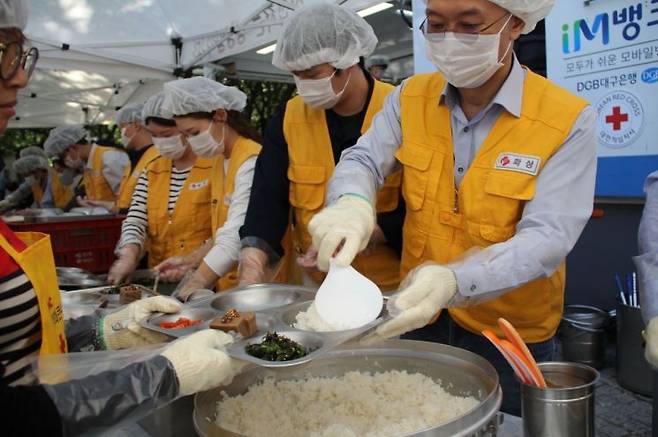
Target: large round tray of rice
x=396, y=388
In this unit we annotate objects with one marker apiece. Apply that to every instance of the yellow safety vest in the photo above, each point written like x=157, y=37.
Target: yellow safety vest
x=189, y=224
x=441, y=223
x=130, y=177
x=38, y=264
x=62, y=194
x=222, y=187
x=311, y=164
x=96, y=186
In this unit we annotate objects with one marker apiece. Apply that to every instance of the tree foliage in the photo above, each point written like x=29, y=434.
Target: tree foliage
x=263, y=100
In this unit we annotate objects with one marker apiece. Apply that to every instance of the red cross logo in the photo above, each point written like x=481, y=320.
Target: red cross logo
x=505, y=161
x=616, y=118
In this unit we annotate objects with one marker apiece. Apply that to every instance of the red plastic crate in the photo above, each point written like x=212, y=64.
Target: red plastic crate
x=88, y=244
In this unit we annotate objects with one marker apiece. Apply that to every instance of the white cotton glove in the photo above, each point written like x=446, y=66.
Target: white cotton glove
x=201, y=361
x=349, y=221
x=651, y=338
x=426, y=290
x=121, y=329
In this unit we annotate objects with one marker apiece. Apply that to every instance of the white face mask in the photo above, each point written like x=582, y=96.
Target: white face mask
x=170, y=147
x=125, y=139
x=318, y=93
x=32, y=180
x=466, y=61
x=204, y=144
x=73, y=164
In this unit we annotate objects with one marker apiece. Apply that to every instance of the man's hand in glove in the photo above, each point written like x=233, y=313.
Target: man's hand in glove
x=201, y=362
x=342, y=229
x=121, y=329
x=425, y=291
x=651, y=338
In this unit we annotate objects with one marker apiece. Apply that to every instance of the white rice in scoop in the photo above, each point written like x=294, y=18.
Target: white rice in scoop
x=310, y=320
x=359, y=404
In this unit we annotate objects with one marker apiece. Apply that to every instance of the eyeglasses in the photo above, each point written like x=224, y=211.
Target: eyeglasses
x=13, y=56
x=465, y=33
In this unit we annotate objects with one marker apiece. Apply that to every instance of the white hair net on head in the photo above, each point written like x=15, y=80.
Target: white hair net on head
x=153, y=108
x=130, y=113
x=530, y=11
x=32, y=151
x=323, y=33
x=200, y=94
x=29, y=164
x=61, y=138
x=13, y=13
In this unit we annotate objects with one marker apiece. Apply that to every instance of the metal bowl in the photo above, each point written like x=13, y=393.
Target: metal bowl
x=64, y=271
x=289, y=316
x=261, y=297
x=461, y=373
x=73, y=283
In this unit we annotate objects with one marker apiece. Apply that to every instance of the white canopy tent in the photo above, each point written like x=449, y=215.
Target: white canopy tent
x=97, y=55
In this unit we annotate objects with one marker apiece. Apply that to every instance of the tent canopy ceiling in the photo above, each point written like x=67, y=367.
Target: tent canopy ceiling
x=97, y=55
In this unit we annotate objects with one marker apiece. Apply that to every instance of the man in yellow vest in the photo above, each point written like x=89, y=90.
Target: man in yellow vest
x=44, y=182
x=137, y=141
x=103, y=166
x=499, y=169
x=323, y=46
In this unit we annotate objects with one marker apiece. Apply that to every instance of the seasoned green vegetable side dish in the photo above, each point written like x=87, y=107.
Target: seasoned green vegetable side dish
x=275, y=347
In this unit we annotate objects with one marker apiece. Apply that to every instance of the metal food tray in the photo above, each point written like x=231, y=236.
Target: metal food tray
x=112, y=299
x=275, y=307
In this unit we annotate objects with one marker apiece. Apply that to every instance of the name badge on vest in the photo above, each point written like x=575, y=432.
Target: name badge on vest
x=519, y=163
x=198, y=185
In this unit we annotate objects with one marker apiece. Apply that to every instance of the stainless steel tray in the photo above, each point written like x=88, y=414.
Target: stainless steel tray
x=275, y=307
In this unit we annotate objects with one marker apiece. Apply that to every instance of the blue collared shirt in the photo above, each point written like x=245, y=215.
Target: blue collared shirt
x=551, y=222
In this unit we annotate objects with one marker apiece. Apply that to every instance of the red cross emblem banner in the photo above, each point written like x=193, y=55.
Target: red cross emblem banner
x=607, y=52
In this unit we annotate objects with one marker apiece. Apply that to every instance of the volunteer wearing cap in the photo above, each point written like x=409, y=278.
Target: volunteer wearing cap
x=103, y=166
x=377, y=65
x=321, y=45
x=47, y=188
x=170, y=209
x=31, y=319
x=137, y=141
x=499, y=167
x=209, y=115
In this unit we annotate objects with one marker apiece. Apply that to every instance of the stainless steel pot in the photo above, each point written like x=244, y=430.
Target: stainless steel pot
x=461, y=372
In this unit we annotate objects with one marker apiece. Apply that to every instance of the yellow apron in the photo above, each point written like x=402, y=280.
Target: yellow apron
x=189, y=225
x=38, y=264
x=441, y=223
x=131, y=176
x=309, y=171
x=222, y=187
x=96, y=186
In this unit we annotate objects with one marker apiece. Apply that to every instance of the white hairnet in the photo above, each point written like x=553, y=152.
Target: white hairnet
x=32, y=151
x=130, y=113
x=13, y=13
x=153, y=108
x=29, y=164
x=530, y=11
x=200, y=94
x=378, y=60
x=323, y=33
x=61, y=138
